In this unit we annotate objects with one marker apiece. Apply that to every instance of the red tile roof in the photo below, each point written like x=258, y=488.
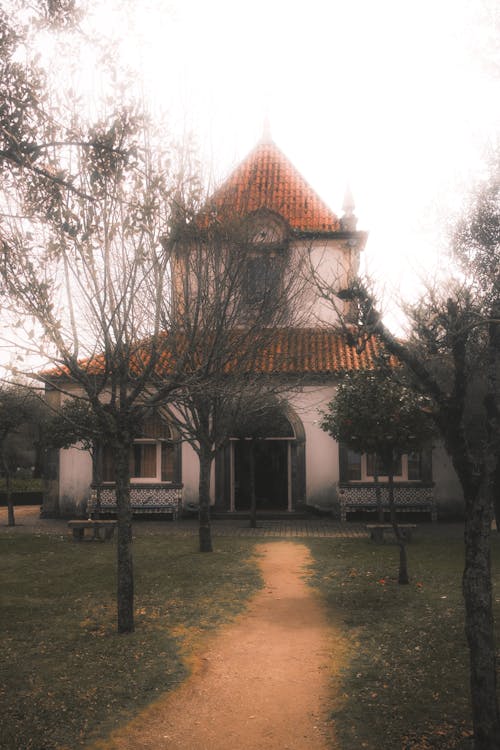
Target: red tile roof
x=291, y=351
x=315, y=351
x=267, y=179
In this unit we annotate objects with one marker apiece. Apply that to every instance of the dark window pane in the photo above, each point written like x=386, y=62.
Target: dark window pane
x=108, y=465
x=155, y=427
x=353, y=465
x=263, y=273
x=168, y=454
x=380, y=469
x=143, y=461
x=415, y=465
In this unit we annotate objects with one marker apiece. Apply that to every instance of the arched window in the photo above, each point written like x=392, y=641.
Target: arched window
x=266, y=257
x=154, y=456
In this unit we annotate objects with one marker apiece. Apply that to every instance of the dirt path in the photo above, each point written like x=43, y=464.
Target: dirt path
x=263, y=683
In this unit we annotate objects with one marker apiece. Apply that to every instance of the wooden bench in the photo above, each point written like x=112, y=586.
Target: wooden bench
x=101, y=529
x=377, y=530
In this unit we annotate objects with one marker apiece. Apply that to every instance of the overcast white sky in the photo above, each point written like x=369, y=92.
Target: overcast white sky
x=390, y=96
x=393, y=97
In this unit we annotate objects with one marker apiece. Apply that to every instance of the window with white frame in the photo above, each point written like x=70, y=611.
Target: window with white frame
x=364, y=467
x=154, y=457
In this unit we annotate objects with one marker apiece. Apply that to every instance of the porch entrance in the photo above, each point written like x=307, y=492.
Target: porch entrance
x=280, y=479
x=272, y=460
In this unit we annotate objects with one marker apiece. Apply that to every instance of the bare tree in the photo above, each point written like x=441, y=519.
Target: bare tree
x=81, y=261
x=230, y=298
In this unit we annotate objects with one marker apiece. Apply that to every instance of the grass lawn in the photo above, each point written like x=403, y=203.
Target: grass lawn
x=65, y=675
x=406, y=684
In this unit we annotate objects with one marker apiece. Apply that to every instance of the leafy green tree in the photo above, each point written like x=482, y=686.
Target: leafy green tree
x=95, y=289
x=82, y=270
x=20, y=409
x=76, y=424
x=378, y=412
x=33, y=137
x=453, y=354
x=452, y=346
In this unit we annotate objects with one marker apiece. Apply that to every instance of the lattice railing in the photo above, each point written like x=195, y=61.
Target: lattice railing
x=148, y=499
x=407, y=498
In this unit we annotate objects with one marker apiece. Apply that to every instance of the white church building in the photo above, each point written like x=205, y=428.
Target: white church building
x=298, y=465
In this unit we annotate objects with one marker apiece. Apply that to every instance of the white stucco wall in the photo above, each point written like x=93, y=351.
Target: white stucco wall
x=322, y=457
x=322, y=460
x=334, y=263
x=447, y=490
x=75, y=475
x=190, y=475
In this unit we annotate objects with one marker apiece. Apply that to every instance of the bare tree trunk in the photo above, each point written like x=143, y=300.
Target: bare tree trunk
x=496, y=496
x=479, y=625
x=378, y=498
x=491, y=404
x=480, y=503
x=125, y=573
x=10, y=505
x=403, y=577
x=205, y=532
x=96, y=479
x=253, y=498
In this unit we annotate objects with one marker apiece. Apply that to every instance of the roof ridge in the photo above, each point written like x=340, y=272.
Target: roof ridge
x=266, y=178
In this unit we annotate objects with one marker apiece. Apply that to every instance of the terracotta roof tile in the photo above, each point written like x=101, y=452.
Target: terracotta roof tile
x=292, y=351
x=315, y=351
x=267, y=179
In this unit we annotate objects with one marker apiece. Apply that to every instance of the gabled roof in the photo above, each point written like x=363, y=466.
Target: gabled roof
x=266, y=179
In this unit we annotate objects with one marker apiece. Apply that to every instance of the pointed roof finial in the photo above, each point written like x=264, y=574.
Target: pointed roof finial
x=266, y=131
x=348, y=204
x=349, y=219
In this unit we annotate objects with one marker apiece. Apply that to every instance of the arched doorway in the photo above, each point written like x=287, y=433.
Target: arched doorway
x=272, y=481
x=279, y=469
